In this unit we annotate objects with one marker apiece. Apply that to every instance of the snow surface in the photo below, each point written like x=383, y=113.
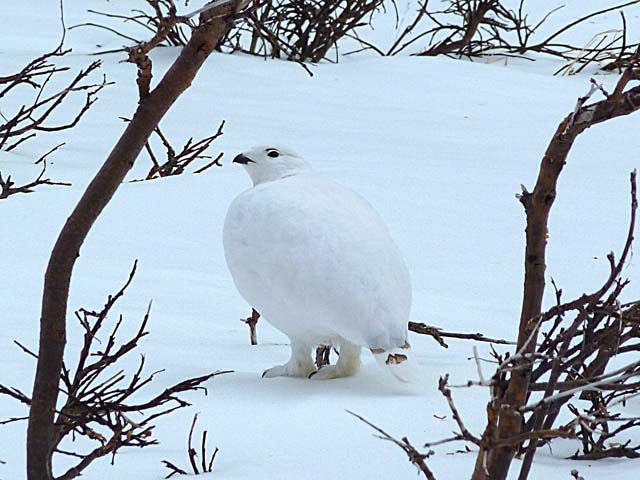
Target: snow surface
x=438, y=146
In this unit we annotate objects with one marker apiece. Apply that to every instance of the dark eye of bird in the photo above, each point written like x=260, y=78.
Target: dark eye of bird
x=273, y=153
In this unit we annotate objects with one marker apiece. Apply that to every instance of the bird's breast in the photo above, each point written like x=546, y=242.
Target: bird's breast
x=314, y=253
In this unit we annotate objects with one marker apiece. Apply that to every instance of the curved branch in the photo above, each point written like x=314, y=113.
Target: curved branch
x=151, y=109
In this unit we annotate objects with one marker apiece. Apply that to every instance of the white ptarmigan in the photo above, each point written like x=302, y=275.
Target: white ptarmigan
x=318, y=262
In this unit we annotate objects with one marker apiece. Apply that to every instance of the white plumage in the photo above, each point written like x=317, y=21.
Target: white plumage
x=318, y=262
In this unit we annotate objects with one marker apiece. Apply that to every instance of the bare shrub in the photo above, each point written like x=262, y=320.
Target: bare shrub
x=177, y=162
x=27, y=121
x=580, y=338
x=160, y=16
x=206, y=461
x=98, y=393
x=570, y=367
x=480, y=28
x=300, y=30
x=252, y=322
x=509, y=403
x=155, y=102
x=8, y=187
x=574, y=357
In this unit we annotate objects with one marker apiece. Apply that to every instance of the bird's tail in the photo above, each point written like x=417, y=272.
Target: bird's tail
x=396, y=361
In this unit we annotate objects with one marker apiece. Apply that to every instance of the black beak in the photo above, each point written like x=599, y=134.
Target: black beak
x=242, y=159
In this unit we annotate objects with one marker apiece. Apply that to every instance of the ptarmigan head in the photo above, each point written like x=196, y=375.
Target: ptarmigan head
x=266, y=164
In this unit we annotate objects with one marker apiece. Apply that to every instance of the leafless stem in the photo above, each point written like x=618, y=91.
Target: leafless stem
x=97, y=402
x=438, y=335
x=34, y=117
x=8, y=186
x=177, y=162
x=415, y=457
x=206, y=462
x=252, y=321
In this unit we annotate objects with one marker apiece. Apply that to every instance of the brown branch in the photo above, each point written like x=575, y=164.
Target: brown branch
x=38, y=67
x=537, y=206
x=206, y=463
x=8, y=186
x=477, y=28
x=415, y=457
x=589, y=301
x=33, y=118
x=98, y=408
x=169, y=393
x=438, y=335
x=422, y=11
x=16, y=394
x=13, y=419
x=213, y=163
x=177, y=163
x=104, y=27
x=25, y=349
x=301, y=31
x=534, y=436
x=139, y=54
x=547, y=41
x=446, y=392
x=174, y=470
x=323, y=356
x=252, y=321
x=163, y=22
x=190, y=450
x=165, y=26
x=41, y=430
x=617, y=451
x=101, y=451
x=93, y=405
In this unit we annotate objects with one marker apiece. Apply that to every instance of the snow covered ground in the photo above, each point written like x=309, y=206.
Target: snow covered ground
x=438, y=146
